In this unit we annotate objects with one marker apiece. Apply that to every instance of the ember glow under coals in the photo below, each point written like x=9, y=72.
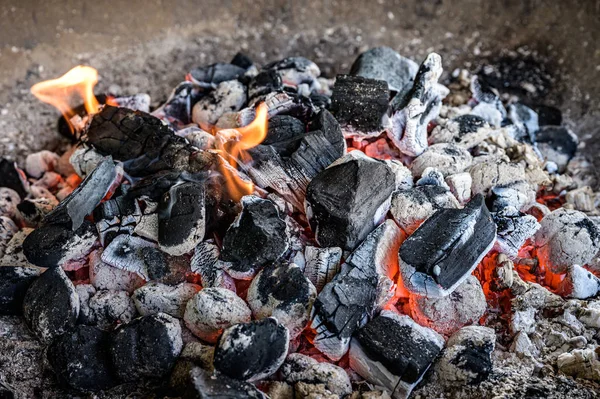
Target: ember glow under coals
x=267, y=231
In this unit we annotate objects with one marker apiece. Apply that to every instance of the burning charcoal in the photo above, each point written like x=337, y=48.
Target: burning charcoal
x=448, y=158
x=298, y=367
x=579, y=283
x=80, y=359
x=412, y=206
x=446, y=248
x=12, y=177
x=580, y=363
x=264, y=83
x=526, y=121
x=282, y=292
x=146, y=348
x=9, y=200
x=517, y=195
x=394, y=352
x=155, y=298
x=467, y=358
x=14, y=282
x=38, y=163
x=181, y=218
x=177, y=110
x=34, y=211
x=111, y=308
x=432, y=177
x=322, y=264
x=557, y=144
x=487, y=175
x=414, y=109
x=295, y=71
x=252, y=351
x=383, y=63
x=347, y=200
x=51, y=305
x=360, y=105
x=210, y=76
x=404, y=177
x=460, y=186
x=134, y=255
x=217, y=386
x=458, y=130
x=86, y=315
x=258, y=236
x=106, y=277
x=228, y=96
x=205, y=263
x=288, y=168
x=465, y=305
x=365, y=280
x=53, y=245
x=567, y=237
x=85, y=160
x=213, y=309
x=514, y=228
x=137, y=102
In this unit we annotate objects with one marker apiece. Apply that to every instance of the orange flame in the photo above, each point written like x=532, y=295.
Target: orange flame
x=78, y=82
x=233, y=144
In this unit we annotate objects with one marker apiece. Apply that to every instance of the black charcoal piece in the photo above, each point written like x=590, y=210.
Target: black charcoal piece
x=469, y=124
x=446, y=248
x=155, y=261
x=413, y=109
x=295, y=70
x=242, y=60
x=81, y=360
x=51, y=305
x=525, y=121
x=360, y=104
x=548, y=115
x=84, y=199
x=134, y=255
x=299, y=367
x=205, y=263
x=146, y=348
x=177, y=110
x=485, y=94
x=219, y=386
x=210, y=76
x=322, y=264
x=287, y=166
x=252, y=351
x=14, y=282
x=52, y=245
x=264, y=83
x=514, y=228
x=557, y=144
x=257, y=237
x=383, y=63
x=10, y=177
x=347, y=200
x=181, y=218
x=395, y=352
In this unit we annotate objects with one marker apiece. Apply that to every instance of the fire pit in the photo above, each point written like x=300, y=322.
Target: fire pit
x=269, y=232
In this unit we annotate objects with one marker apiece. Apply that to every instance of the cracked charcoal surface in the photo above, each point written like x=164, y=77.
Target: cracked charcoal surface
x=14, y=282
x=514, y=228
x=206, y=386
x=383, y=63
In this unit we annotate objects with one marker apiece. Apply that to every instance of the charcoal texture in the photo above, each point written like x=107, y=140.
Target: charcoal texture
x=346, y=200
x=210, y=76
x=469, y=123
x=81, y=359
x=14, y=282
x=264, y=83
x=557, y=144
x=177, y=110
x=9, y=177
x=220, y=386
x=383, y=63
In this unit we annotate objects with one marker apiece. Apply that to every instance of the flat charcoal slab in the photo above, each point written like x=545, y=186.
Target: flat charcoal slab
x=360, y=104
x=346, y=201
x=395, y=352
x=446, y=248
x=14, y=282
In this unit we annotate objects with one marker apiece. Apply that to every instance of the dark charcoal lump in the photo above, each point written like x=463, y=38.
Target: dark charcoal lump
x=252, y=351
x=360, y=104
x=81, y=359
x=9, y=177
x=557, y=144
x=284, y=283
x=284, y=134
x=446, y=248
x=14, y=282
x=210, y=76
x=548, y=115
x=264, y=83
x=383, y=63
x=220, y=386
x=52, y=244
x=242, y=60
x=257, y=237
x=51, y=305
x=146, y=348
x=469, y=123
x=157, y=265
x=346, y=200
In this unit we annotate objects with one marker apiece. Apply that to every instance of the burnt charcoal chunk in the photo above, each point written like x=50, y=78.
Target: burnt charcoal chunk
x=52, y=245
x=469, y=123
x=9, y=177
x=548, y=115
x=252, y=351
x=181, y=218
x=81, y=359
x=219, y=386
x=257, y=237
x=264, y=83
x=156, y=263
x=446, y=248
x=360, y=104
x=210, y=76
x=394, y=351
x=383, y=63
x=284, y=134
x=346, y=201
x=557, y=144
x=514, y=228
x=146, y=348
x=51, y=305
x=177, y=110
x=14, y=282
x=242, y=60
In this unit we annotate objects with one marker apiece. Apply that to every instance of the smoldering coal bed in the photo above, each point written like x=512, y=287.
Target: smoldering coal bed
x=268, y=232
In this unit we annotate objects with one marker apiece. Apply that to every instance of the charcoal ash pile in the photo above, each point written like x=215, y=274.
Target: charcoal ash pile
x=380, y=238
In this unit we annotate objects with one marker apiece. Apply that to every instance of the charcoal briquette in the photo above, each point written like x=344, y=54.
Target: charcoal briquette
x=14, y=282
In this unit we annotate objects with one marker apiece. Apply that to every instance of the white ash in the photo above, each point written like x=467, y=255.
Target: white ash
x=137, y=102
x=38, y=163
x=147, y=227
x=465, y=305
x=106, y=277
x=432, y=177
x=124, y=252
x=582, y=199
x=519, y=195
x=489, y=112
x=460, y=186
x=322, y=264
x=487, y=175
x=110, y=308
x=404, y=177
x=514, y=228
x=567, y=237
x=13, y=252
x=205, y=262
x=156, y=297
x=212, y=310
x=581, y=363
x=85, y=160
x=448, y=158
x=579, y=283
x=85, y=292
x=298, y=367
x=198, y=137
x=227, y=96
x=411, y=207
x=9, y=199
